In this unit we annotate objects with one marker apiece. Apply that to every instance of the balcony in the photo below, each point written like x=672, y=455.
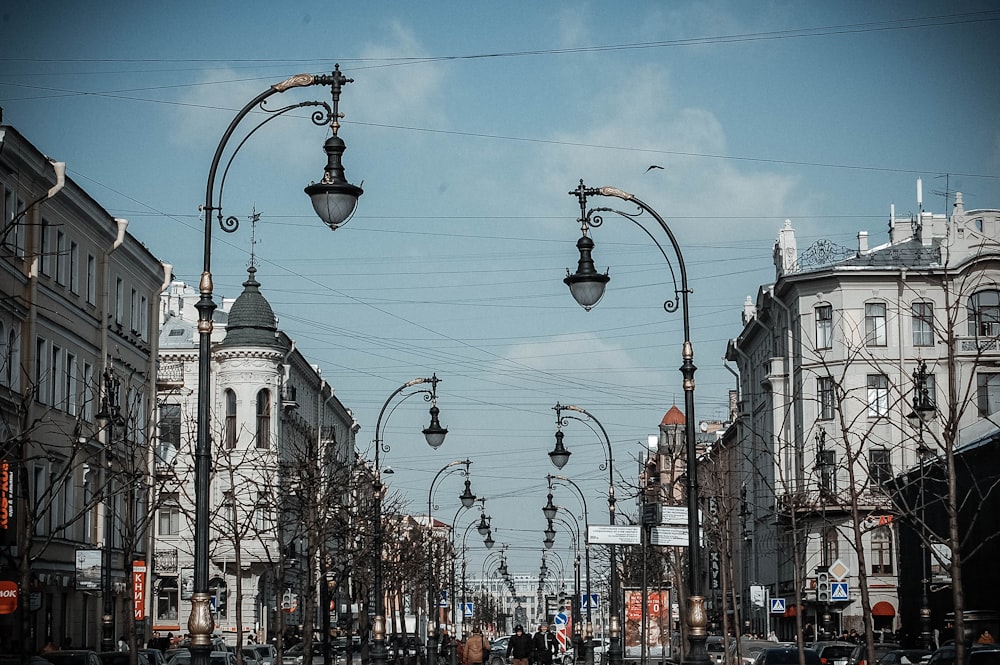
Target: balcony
x=169, y=375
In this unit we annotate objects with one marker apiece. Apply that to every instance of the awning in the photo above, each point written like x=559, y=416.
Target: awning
x=791, y=611
x=883, y=609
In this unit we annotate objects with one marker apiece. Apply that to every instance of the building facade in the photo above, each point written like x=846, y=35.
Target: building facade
x=283, y=459
x=78, y=343
x=828, y=361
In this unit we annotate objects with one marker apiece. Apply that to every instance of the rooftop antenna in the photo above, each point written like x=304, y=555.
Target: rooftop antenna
x=254, y=218
x=920, y=196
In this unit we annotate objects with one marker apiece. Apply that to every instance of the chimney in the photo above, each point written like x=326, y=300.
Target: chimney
x=862, y=242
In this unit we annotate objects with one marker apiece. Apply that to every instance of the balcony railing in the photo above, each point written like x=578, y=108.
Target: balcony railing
x=170, y=374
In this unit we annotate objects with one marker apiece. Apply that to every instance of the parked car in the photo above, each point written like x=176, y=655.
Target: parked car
x=154, y=656
x=72, y=657
x=859, y=656
x=266, y=653
x=498, y=651
x=748, y=649
x=901, y=656
x=11, y=659
x=121, y=658
x=785, y=655
x=834, y=653
x=975, y=654
x=716, y=647
x=183, y=657
x=250, y=656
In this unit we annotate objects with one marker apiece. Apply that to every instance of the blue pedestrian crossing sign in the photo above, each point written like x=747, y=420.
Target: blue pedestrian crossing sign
x=467, y=610
x=839, y=592
x=589, y=602
x=777, y=606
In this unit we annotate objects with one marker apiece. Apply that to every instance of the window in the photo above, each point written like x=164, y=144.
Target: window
x=881, y=551
x=988, y=393
x=143, y=317
x=55, y=381
x=228, y=510
x=923, y=324
x=264, y=419
x=119, y=300
x=169, y=440
x=91, y=279
x=878, y=395
x=169, y=516
x=41, y=370
x=824, y=327
x=879, y=467
x=262, y=512
x=230, y=434
x=44, y=249
x=133, y=315
x=828, y=471
x=831, y=548
x=62, y=258
x=72, y=381
x=12, y=361
x=984, y=314
x=88, y=392
x=166, y=599
x=824, y=389
x=875, y=324
x=74, y=267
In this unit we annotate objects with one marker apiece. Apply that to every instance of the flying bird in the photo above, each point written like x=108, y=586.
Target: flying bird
x=653, y=166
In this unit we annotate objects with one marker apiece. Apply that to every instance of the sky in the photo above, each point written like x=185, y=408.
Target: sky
x=467, y=124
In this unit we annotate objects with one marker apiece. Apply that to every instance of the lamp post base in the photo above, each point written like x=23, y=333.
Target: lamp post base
x=697, y=632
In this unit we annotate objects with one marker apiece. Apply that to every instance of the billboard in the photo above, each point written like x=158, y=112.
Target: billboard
x=88, y=570
x=658, y=624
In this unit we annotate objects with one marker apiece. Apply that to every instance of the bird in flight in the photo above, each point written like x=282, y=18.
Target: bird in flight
x=653, y=166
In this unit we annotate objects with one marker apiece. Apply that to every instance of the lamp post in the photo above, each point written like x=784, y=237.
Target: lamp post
x=923, y=412
x=588, y=631
x=468, y=499
x=615, y=651
x=334, y=200
x=587, y=287
x=110, y=412
x=483, y=527
x=434, y=434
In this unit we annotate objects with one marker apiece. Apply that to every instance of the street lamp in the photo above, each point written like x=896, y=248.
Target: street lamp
x=588, y=631
x=434, y=435
x=468, y=499
x=923, y=413
x=334, y=199
x=615, y=652
x=110, y=413
x=587, y=287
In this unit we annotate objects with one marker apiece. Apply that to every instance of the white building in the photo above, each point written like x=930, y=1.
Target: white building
x=826, y=360
x=283, y=448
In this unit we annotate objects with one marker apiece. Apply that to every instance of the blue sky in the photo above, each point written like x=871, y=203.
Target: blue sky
x=468, y=123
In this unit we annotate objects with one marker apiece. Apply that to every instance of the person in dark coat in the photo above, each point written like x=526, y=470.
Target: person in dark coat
x=545, y=646
x=519, y=646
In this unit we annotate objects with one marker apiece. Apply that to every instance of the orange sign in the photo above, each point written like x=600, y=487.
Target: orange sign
x=139, y=589
x=6, y=496
x=8, y=597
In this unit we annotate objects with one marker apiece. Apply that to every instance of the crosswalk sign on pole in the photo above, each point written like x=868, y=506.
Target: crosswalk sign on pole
x=839, y=592
x=777, y=606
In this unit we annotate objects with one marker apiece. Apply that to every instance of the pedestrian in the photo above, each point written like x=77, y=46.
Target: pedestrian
x=49, y=646
x=122, y=644
x=985, y=637
x=477, y=647
x=545, y=646
x=519, y=646
x=772, y=637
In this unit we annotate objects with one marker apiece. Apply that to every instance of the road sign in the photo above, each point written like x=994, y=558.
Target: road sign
x=777, y=606
x=590, y=604
x=613, y=535
x=467, y=610
x=839, y=592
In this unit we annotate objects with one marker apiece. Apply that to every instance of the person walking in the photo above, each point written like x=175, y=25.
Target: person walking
x=519, y=646
x=545, y=646
x=477, y=647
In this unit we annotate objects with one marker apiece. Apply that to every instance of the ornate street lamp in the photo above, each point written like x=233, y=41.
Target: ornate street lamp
x=615, y=651
x=587, y=287
x=559, y=455
x=923, y=413
x=468, y=499
x=434, y=435
x=334, y=199
x=588, y=628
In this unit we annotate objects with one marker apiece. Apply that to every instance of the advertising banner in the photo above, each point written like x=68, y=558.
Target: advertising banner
x=658, y=625
x=139, y=589
x=8, y=521
x=88, y=570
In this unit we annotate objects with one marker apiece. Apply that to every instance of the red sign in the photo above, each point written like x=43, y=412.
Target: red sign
x=6, y=496
x=8, y=597
x=139, y=589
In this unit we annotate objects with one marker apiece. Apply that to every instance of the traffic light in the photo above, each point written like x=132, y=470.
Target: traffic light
x=822, y=584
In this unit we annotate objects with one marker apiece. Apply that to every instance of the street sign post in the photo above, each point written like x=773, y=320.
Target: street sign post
x=777, y=606
x=613, y=535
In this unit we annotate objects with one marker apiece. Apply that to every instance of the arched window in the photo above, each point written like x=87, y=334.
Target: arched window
x=264, y=419
x=984, y=314
x=882, y=551
x=230, y=434
x=831, y=549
